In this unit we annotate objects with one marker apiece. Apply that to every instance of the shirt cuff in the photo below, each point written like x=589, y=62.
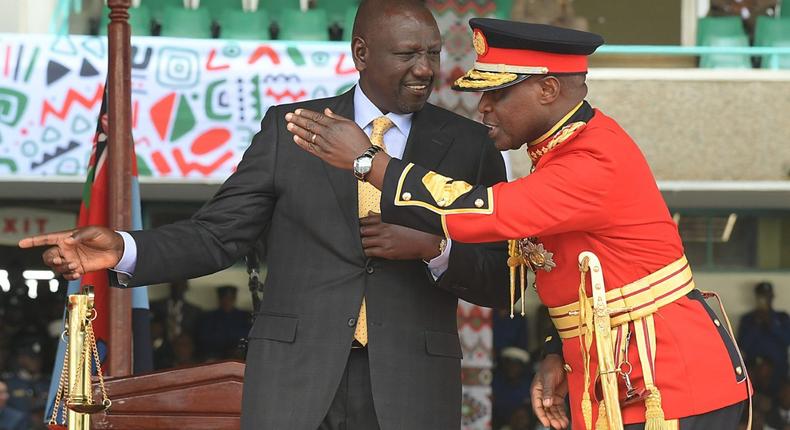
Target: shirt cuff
x=126, y=266
x=439, y=264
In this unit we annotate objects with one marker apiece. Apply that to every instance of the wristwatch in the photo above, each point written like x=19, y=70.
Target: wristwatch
x=364, y=162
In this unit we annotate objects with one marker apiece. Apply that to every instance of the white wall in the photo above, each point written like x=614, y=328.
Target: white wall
x=26, y=16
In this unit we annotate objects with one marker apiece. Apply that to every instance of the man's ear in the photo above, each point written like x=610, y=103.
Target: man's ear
x=359, y=51
x=549, y=89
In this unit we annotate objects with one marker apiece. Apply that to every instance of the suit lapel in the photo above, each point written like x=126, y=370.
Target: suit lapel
x=343, y=182
x=427, y=143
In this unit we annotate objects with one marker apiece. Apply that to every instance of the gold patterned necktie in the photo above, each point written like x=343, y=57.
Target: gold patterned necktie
x=369, y=200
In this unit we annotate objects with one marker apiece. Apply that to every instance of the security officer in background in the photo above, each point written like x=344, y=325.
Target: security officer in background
x=640, y=346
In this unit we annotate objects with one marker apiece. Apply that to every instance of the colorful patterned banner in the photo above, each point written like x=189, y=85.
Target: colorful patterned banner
x=196, y=103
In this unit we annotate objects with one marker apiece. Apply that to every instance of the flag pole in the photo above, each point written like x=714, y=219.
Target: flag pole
x=120, y=148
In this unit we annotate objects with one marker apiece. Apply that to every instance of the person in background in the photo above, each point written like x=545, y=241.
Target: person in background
x=10, y=418
x=511, y=384
x=26, y=383
x=779, y=416
x=765, y=332
x=221, y=331
x=180, y=316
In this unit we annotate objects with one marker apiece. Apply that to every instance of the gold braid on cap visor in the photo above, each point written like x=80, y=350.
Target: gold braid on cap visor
x=477, y=79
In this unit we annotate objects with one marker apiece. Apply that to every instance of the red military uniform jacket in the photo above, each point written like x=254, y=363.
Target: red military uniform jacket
x=591, y=190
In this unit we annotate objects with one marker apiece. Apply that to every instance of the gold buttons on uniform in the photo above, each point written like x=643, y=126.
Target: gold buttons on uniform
x=406, y=196
x=739, y=370
x=567, y=368
x=548, y=338
x=479, y=203
x=716, y=321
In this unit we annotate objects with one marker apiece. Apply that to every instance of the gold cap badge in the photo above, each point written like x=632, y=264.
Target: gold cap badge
x=480, y=43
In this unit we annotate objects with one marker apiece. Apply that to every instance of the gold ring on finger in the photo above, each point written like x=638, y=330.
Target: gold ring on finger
x=312, y=139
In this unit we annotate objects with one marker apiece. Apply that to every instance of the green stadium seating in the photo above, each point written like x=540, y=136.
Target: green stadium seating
x=139, y=21
x=298, y=25
x=157, y=7
x=217, y=7
x=718, y=26
x=725, y=31
x=773, y=32
x=180, y=22
x=237, y=24
x=337, y=9
x=277, y=7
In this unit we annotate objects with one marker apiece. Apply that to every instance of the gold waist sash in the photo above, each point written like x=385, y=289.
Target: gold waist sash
x=631, y=302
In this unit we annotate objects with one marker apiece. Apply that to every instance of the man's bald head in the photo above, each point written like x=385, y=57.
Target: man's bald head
x=371, y=14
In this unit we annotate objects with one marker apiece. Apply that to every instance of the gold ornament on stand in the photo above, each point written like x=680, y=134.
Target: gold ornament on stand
x=74, y=386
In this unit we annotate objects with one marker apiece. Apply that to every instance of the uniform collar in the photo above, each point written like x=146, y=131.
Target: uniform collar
x=365, y=112
x=566, y=128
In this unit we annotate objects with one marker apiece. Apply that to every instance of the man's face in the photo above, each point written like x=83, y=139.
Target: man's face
x=513, y=114
x=399, y=61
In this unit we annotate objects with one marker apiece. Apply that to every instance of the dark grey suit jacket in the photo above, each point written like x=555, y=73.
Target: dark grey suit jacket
x=318, y=274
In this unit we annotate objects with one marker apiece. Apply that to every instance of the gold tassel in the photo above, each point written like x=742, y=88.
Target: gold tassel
x=512, y=261
x=654, y=414
x=603, y=422
x=587, y=410
x=522, y=269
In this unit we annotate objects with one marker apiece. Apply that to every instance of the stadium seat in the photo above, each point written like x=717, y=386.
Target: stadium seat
x=157, y=7
x=237, y=24
x=725, y=31
x=217, y=7
x=337, y=9
x=718, y=26
x=773, y=32
x=139, y=21
x=298, y=25
x=726, y=61
x=277, y=7
x=180, y=22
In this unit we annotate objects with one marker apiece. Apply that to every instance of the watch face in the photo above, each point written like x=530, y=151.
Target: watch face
x=362, y=165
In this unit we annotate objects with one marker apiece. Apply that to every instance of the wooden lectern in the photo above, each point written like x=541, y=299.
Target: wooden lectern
x=195, y=398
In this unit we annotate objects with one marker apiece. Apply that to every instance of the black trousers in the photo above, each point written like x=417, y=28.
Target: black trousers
x=352, y=408
x=721, y=419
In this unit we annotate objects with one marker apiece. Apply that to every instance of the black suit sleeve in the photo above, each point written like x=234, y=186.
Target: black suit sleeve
x=225, y=228
x=478, y=273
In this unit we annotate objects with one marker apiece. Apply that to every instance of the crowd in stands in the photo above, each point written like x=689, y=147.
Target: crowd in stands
x=764, y=336
x=182, y=334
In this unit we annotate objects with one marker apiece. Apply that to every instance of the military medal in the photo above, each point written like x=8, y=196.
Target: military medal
x=523, y=254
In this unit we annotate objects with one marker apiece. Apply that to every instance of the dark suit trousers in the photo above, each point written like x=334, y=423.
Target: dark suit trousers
x=352, y=407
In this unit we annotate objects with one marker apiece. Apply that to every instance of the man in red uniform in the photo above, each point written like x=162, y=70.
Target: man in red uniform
x=640, y=346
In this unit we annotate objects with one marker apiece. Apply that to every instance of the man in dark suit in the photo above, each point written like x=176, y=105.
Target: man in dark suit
x=352, y=316
x=179, y=315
